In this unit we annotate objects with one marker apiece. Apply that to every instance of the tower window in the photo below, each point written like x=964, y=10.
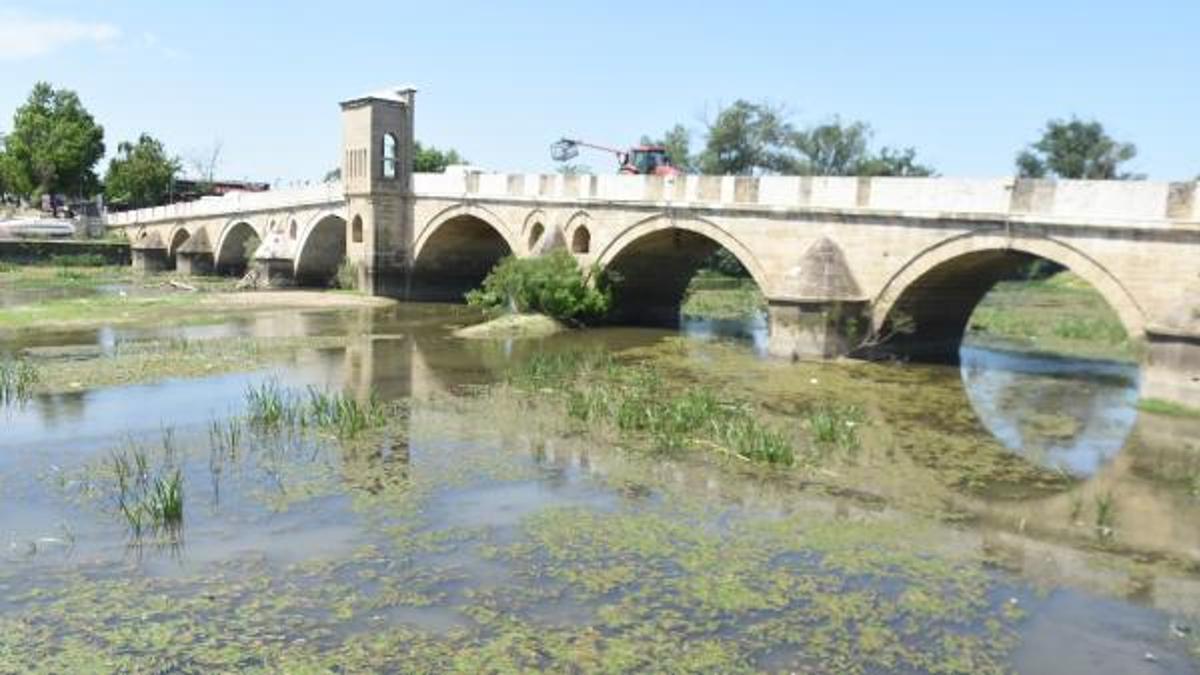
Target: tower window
x=389, y=156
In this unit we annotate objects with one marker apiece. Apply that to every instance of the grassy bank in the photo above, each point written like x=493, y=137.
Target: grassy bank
x=1061, y=314
x=66, y=369
x=712, y=295
x=98, y=296
x=1160, y=407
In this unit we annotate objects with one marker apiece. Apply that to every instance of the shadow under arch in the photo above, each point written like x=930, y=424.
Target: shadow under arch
x=320, y=250
x=232, y=253
x=933, y=296
x=455, y=253
x=651, y=263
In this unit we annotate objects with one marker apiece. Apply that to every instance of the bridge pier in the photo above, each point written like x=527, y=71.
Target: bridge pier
x=150, y=254
x=273, y=272
x=815, y=329
x=1171, y=367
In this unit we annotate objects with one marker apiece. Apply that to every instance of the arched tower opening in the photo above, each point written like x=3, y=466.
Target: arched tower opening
x=456, y=258
x=581, y=240
x=321, y=252
x=535, y=235
x=654, y=274
x=236, y=249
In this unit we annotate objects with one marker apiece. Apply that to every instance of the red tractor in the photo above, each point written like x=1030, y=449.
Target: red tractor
x=651, y=160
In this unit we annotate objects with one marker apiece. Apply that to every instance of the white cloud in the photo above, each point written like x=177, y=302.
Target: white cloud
x=25, y=37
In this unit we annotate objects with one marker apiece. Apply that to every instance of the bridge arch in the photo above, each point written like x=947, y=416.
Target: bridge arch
x=233, y=247
x=652, y=262
x=937, y=290
x=456, y=250
x=178, y=238
x=320, y=249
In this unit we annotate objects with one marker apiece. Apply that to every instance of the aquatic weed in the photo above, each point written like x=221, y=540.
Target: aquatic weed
x=634, y=400
x=18, y=377
x=834, y=425
x=1076, y=508
x=554, y=369
x=344, y=414
x=271, y=407
x=150, y=500
x=1106, y=512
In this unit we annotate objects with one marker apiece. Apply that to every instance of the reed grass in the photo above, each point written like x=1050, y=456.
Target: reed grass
x=18, y=378
x=272, y=407
x=150, y=499
x=634, y=401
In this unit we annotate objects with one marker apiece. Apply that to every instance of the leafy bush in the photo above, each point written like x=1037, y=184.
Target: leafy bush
x=347, y=275
x=551, y=284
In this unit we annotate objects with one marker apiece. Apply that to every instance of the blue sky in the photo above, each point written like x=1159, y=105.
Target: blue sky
x=966, y=83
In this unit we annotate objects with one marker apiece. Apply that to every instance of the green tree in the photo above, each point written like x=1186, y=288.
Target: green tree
x=678, y=142
x=831, y=149
x=431, y=160
x=746, y=139
x=141, y=174
x=54, y=145
x=837, y=149
x=892, y=162
x=551, y=284
x=1076, y=149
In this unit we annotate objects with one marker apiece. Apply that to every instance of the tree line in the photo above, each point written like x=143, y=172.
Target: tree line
x=55, y=146
x=747, y=138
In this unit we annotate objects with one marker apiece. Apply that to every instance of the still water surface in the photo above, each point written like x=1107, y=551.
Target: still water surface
x=477, y=525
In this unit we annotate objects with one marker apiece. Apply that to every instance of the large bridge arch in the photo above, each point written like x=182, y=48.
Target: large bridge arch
x=455, y=251
x=938, y=288
x=320, y=249
x=232, y=256
x=652, y=262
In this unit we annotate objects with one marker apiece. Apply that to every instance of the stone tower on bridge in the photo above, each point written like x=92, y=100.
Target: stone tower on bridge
x=377, y=164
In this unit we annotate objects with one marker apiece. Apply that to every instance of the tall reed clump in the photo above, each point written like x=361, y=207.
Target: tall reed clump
x=149, y=498
x=18, y=377
x=834, y=426
x=271, y=407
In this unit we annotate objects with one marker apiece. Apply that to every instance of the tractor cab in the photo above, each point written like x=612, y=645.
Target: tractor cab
x=648, y=160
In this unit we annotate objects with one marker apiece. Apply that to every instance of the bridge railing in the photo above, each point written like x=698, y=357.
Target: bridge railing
x=234, y=202
x=1095, y=202
x=1155, y=204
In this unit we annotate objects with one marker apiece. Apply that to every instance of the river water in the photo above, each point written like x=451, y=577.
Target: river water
x=1016, y=513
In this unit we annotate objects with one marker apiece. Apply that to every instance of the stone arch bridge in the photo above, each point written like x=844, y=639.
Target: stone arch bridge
x=838, y=259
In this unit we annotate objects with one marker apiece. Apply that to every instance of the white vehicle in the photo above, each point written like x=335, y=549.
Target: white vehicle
x=36, y=228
